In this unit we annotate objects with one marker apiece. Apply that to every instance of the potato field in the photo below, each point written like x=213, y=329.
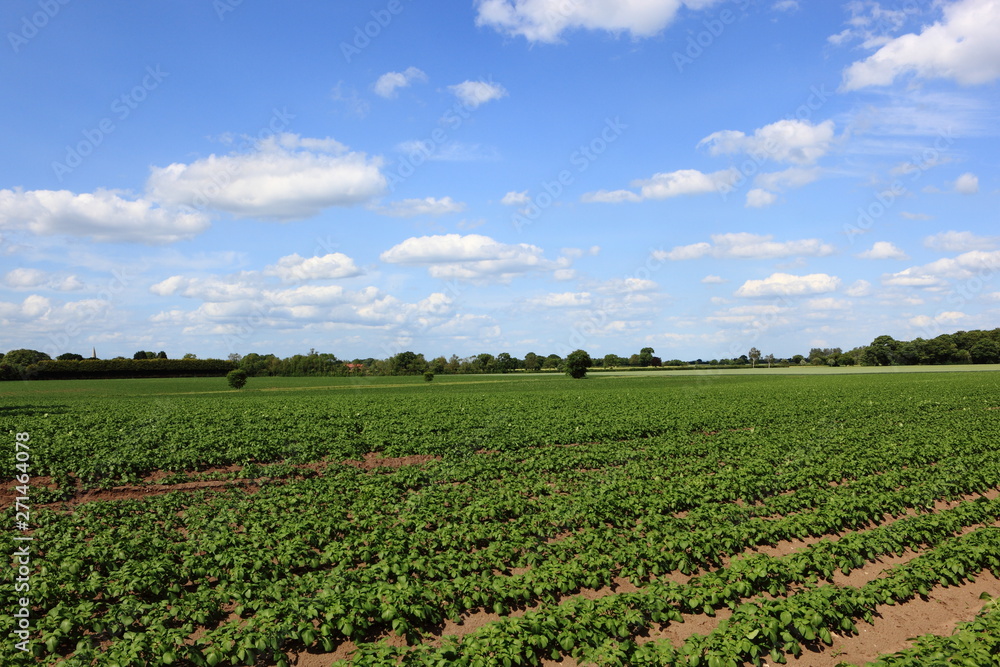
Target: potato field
x=750, y=519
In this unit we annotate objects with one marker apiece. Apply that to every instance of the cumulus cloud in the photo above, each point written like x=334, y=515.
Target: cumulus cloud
x=793, y=177
x=546, y=20
x=27, y=278
x=962, y=46
x=713, y=280
x=293, y=268
x=950, y=317
x=828, y=303
x=105, y=215
x=750, y=315
x=471, y=257
x=408, y=208
x=563, y=300
x=475, y=93
x=387, y=84
x=513, y=198
x=883, y=250
x=952, y=241
x=286, y=177
x=963, y=267
x=796, y=141
x=859, y=288
x=967, y=184
x=667, y=185
x=22, y=278
x=758, y=198
x=784, y=284
x=744, y=245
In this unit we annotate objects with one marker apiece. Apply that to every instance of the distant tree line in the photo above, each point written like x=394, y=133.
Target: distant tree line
x=963, y=347
x=27, y=364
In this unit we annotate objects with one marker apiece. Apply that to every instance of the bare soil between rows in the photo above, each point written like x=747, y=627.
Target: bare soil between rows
x=150, y=487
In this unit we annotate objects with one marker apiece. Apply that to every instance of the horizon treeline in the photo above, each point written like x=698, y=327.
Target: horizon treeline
x=962, y=347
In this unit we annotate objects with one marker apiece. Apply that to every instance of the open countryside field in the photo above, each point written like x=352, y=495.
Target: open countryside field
x=813, y=518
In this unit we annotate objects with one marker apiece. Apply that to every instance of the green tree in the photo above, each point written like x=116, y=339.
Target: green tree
x=552, y=361
x=70, y=356
x=237, y=378
x=577, y=363
x=646, y=356
x=882, y=352
x=24, y=357
x=505, y=363
x=407, y=363
x=531, y=362
x=754, y=355
x=438, y=365
x=613, y=360
x=985, y=351
x=428, y=376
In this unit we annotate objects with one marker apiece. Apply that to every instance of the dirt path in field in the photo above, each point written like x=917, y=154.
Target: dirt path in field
x=150, y=487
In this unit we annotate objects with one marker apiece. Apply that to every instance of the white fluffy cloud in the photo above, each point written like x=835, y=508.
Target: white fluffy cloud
x=883, y=250
x=408, y=208
x=962, y=46
x=796, y=141
x=293, y=268
x=784, y=284
x=286, y=177
x=952, y=241
x=667, y=185
x=22, y=278
x=967, y=184
x=744, y=245
x=563, y=300
x=26, y=278
x=104, y=215
x=388, y=83
x=475, y=93
x=514, y=198
x=947, y=318
x=546, y=20
x=471, y=257
x=759, y=198
x=713, y=280
x=859, y=288
x=793, y=177
x=963, y=267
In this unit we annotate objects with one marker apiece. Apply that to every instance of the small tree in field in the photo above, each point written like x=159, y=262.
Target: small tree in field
x=428, y=376
x=577, y=364
x=237, y=378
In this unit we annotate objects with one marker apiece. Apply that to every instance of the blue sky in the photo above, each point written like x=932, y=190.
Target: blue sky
x=696, y=176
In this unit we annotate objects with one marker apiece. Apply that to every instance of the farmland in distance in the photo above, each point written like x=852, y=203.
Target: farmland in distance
x=666, y=519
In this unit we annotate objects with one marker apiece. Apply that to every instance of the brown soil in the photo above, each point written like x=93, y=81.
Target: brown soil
x=150, y=487
x=895, y=626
